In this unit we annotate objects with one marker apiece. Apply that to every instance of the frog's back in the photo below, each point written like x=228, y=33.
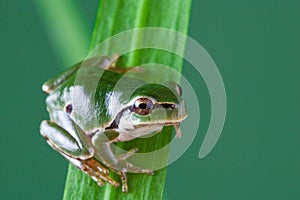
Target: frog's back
x=94, y=90
x=79, y=82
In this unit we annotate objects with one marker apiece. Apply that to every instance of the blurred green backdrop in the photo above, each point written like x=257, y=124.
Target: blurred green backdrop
x=256, y=47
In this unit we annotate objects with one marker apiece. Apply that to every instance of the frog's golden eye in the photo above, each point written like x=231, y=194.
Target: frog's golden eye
x=142, y=106
x=69, y=108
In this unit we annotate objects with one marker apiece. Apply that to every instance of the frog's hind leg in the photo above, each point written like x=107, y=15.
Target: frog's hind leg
x=103, y=62
x=59, y=139
x=55, y=82
x=121, y=69
x=117, y=163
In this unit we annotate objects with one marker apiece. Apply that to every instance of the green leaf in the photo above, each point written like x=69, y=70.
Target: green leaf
x=66, y=28
x=115, y=16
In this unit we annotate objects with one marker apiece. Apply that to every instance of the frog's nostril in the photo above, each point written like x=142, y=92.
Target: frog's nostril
x=69, y=108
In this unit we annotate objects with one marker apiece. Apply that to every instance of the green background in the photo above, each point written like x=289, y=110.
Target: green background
x=255, y=45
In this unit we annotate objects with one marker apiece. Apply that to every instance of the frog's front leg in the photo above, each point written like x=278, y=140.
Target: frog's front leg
x=117, y=162
x=59, y=139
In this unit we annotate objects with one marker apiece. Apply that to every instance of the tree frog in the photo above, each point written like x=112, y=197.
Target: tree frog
x=88, y=114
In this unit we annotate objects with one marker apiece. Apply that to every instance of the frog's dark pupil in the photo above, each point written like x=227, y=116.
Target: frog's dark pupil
x=69, y=108
x=143, y=106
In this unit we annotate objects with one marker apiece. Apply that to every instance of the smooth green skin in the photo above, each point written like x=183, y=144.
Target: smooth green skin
x=101, y=114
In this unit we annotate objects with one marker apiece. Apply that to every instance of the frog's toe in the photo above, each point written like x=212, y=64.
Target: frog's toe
x=97, y=172
x=129, y=167
x=149, y=172
x=124, y=181
x=125, y=166
x=123, y=175
x=95, y=166
x=99, y=182
x=128, y=154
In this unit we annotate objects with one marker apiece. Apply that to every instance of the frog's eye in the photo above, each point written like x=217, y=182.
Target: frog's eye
x=142, y=106
x=69, y=108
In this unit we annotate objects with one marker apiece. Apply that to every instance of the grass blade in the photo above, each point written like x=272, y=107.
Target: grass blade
x=113, y=17
x=66, y=27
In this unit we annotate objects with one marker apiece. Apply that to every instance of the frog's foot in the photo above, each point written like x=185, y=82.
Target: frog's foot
x=131, y=168
x=59, y=139
x=128, y=154
x=98, y=173
x=118, y=163
x=123, y=175
x=123, y=167
x=112, y=66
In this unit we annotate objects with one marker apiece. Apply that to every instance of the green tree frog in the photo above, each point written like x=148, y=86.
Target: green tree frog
x=88, y=114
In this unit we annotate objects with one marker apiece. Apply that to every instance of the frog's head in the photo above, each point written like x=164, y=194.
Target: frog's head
x=151, y=107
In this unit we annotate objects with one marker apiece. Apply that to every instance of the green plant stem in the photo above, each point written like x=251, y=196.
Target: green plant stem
x=115, y=16
x=66, y=27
